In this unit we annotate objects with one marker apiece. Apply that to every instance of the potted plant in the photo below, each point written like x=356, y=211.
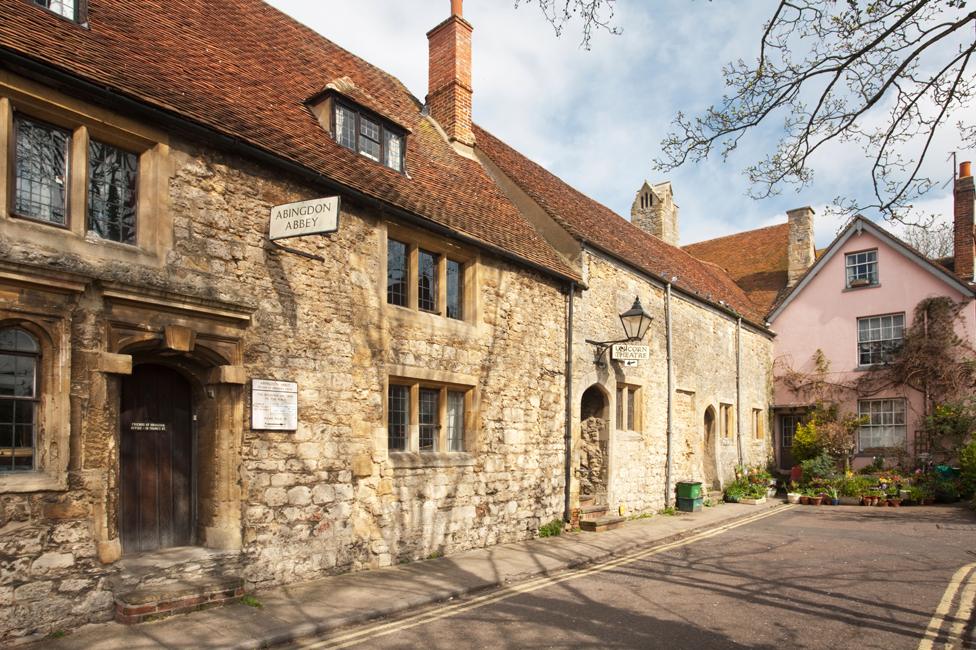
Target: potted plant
x=793, y=492
x=816, y=500
x=832, y=493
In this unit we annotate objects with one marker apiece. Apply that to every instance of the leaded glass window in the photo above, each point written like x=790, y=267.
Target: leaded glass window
x=862, y=269
x=66, y=8
x=112, y=192
x=885, y=427
x=455, y=290
x=394, y=151
x=398, y=411
x=19, y=354
x=396, y=272
x=429, y=411
x=370, y=136
x=879, y=338
x=41, y=171
x=346, y=127
x=455, y=421
x=427, y=281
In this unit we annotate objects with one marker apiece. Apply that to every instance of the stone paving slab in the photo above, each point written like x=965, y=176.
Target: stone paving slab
x=314, y=608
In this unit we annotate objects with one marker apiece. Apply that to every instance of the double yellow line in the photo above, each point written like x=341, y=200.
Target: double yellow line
x=383, y=629
x=964, y=578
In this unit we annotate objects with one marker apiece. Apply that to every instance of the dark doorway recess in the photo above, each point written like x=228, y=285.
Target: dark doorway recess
x=156, y=470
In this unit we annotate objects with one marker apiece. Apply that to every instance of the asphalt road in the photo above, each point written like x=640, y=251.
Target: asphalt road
x=806, y=577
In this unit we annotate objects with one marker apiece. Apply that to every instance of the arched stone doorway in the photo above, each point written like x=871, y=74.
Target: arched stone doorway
x=709, y=472
x=593, y=472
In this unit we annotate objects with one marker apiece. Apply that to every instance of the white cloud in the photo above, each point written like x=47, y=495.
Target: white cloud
x=596, y=118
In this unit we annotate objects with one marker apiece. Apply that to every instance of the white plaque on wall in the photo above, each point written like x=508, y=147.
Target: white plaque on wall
x=274, y=405
x=628, y=352
x=315, y=217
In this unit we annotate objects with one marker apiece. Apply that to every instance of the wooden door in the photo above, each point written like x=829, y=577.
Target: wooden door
x=787, y=429
x=156, y=460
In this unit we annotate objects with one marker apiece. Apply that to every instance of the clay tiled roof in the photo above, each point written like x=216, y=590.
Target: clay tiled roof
x=243, y=69
x=757, y=260
x=597, y=225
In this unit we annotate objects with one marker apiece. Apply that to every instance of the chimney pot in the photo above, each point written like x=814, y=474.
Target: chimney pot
x=456, y=9
x=965, y=169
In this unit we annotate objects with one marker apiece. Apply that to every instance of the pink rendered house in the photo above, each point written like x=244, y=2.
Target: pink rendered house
x=853, y=304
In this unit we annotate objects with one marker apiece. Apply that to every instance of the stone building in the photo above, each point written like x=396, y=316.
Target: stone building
x=154, y=342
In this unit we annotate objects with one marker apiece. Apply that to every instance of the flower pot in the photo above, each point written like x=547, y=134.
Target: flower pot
x=894, y=503
x=835, y=502
x=816, y=501
x=792, y=497
x=804, y=500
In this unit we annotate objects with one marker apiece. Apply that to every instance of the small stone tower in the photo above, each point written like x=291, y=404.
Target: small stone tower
x=802, y=252
x=654, y=211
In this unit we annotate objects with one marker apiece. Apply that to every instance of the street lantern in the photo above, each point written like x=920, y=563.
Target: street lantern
x=635, y=321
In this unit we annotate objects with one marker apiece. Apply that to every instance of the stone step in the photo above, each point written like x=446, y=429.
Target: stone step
x=593, y=512
x=602, y=524
x=152, y=603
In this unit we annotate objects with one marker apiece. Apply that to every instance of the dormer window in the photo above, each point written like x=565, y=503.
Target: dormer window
x=369, y=136
x=862, y=269
x=66, y=8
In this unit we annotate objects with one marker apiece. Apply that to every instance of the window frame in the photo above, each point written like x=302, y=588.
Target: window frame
x=848, y=266
x=385, y=128
x=629, y=412
x=154, y=234
x=79, y=14
x=861, y=403
x=441, y=441
x=886, y=357
x=34, y=400
x=52, y=422
x=758, y=424
x=726, y=412
x=135, y=191
x=445, y=253
x=69, y=172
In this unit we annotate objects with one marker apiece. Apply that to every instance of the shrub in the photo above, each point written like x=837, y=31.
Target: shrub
x=819, y=468
x=553, y=529
x=855, y=486
x=967, y=467
x=806, y=442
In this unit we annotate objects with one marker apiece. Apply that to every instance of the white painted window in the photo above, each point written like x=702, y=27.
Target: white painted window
x=862, y=269
x=66, y=8
x=879, y=338
x=885, y=426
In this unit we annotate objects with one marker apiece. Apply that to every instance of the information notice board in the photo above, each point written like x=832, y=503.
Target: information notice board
x=274, y=405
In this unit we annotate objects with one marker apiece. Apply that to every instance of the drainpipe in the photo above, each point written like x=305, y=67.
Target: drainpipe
x=667, y=327
x=568, y=436
x=738, y=385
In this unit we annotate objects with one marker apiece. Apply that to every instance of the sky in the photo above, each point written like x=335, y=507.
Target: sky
x=596, y=117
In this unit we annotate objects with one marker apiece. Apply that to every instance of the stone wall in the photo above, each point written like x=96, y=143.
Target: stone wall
x=327, y=498
x=705, y=375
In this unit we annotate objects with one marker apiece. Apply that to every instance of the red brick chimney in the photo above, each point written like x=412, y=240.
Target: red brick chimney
x=449, y=86
x=965, y=237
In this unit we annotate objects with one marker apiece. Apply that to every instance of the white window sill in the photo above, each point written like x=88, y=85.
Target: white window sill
x=866, y=286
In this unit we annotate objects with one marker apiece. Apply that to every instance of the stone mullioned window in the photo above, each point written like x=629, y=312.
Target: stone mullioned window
x=426, y=417
x=427, y=275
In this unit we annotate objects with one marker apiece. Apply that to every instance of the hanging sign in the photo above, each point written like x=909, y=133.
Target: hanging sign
x=628, y=352
x=274, y=405
x=315, y=217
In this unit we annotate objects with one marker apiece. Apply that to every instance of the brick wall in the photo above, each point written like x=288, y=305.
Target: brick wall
x=449, y=87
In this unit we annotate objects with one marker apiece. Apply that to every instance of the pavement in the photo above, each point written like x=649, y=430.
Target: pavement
x=801, y=577
x=318, y=608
